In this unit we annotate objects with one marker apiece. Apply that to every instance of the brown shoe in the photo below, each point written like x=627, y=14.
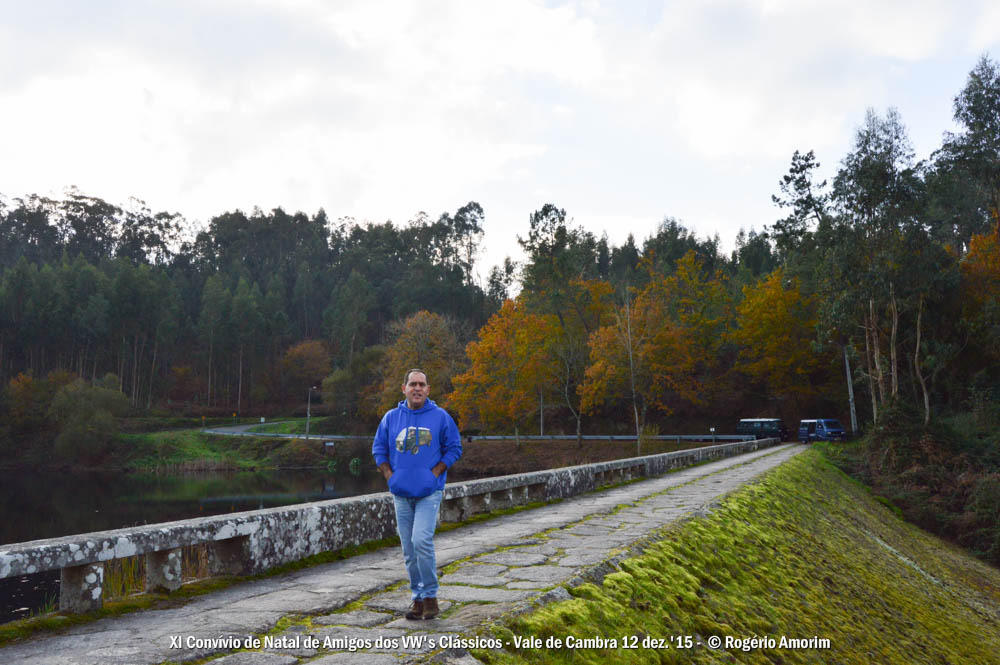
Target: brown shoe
x=416, y=611
x=430, y=608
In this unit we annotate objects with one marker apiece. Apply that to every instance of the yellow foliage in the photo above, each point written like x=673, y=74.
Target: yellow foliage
x=507, y=367
x=775, y=332
x=981, y=270
x=425, y=340
x=659, y=348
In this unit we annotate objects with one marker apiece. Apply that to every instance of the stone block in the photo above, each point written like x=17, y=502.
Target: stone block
x=468, y=594
x=81, y=588
x=473, y=580
x=363, y=618
x=163, y=570
x=527, y=585
x=513, y=558
x=357, y=658
x=256, y=658
x=480, y=569
x=230, y=557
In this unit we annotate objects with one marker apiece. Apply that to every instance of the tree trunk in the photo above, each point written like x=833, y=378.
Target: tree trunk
x=136, y=353
x=871, y=376
x=641, y=425
x=239, y=384
x=208, y=401
x=894, y=365
x=121, y=365
x=638, y=429
x=916, y=364
x=152, y=372
x=879, y=373
x=631, y=368
x=850, y=392
x=541, y=413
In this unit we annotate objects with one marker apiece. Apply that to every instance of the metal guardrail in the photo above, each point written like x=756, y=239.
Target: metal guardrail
x=281, y=435
x=616, y=437
x=508, y=437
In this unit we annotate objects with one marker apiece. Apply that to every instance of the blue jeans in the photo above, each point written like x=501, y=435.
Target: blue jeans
x=416, y=520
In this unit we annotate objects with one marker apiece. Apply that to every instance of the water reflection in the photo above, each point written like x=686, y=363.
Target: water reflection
x=46, y=505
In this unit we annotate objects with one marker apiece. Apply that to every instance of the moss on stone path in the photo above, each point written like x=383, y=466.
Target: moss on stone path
x=804, y=553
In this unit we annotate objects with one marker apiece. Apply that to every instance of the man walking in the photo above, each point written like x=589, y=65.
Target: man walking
x=415, y=445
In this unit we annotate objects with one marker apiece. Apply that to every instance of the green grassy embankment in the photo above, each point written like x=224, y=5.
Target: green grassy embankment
x=193, y=450
x=297, y=426
x=806, y=552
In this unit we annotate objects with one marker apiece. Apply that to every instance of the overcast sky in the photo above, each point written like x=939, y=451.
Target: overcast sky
x=620, y=112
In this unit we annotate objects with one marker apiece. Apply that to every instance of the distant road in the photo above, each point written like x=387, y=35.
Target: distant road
x=244, y=430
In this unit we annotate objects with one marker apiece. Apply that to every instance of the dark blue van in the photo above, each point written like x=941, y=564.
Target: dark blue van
x=821, y=429
x=763, y=428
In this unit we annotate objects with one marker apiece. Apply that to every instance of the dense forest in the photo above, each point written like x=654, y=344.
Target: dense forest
x=877, y=289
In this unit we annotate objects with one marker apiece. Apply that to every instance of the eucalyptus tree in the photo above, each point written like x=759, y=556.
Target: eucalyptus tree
x=499, y=283
x=88, y=225
x=247, y=328
x=966, y=170
x=215, y=303
x=560, y=277
x=15, y=314
x=345, y=319
x=672, y=241
x=144, y=237
x=876, y=193
x=27, y=231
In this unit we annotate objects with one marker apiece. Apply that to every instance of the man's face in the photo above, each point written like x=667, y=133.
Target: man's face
x=416, y=390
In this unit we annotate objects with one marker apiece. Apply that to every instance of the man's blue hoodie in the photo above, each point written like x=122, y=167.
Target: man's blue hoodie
x=413, y=441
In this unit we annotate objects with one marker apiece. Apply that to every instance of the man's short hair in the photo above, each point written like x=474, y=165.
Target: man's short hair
x=406, y=379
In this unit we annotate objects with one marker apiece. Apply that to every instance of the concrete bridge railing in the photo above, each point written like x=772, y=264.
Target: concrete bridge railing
x=254, y=541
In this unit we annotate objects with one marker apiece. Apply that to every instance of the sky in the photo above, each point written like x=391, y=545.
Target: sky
x=622, y=113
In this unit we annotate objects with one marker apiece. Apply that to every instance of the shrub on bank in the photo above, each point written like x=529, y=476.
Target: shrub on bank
x=298, y=452
x=942, y=479
x=85, y=416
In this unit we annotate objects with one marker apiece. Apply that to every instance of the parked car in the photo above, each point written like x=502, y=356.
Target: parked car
x=763, y=428
x=821, y=429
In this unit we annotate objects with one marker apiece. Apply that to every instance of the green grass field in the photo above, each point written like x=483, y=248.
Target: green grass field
x=186, y=450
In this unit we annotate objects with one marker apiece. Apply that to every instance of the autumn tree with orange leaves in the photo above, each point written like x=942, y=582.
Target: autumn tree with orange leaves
x=980, y=280
x=426, y=340
x=507, y=369
x=661, y=348
x=776, y=326
x=570, y=334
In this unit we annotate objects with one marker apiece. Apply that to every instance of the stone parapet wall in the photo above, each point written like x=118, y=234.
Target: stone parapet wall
x=255, y=541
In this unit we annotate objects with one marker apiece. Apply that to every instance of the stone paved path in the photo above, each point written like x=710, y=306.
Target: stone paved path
x=494, y=568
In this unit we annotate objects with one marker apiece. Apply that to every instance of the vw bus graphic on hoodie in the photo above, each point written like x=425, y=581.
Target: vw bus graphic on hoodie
x=413, y=442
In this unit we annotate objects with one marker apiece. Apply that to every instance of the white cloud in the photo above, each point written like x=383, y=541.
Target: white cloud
x=618, y=112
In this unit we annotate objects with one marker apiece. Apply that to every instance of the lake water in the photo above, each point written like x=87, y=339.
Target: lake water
x=48, y=505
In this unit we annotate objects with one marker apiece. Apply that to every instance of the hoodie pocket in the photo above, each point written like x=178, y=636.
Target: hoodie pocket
x=413, y=483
